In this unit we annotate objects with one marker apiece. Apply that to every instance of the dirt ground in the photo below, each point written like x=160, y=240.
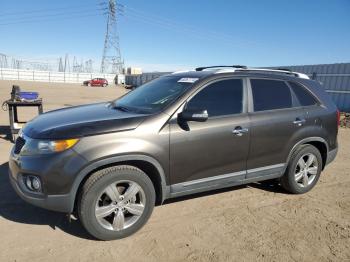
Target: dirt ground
x=247, y=223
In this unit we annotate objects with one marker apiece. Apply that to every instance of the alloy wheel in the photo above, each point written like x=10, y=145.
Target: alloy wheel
x=120, y=205
x=306, y=170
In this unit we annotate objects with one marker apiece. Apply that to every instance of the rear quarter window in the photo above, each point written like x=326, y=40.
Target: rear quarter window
x=304, y=97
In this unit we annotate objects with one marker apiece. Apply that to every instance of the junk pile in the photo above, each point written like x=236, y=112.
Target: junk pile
x=345, y=120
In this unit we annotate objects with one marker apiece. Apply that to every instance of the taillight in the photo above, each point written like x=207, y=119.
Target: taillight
x=338, y=117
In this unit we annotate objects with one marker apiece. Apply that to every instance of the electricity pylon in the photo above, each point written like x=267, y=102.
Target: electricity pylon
x=111, y=52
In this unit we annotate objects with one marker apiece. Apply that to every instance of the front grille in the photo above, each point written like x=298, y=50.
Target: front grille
x=19, y=144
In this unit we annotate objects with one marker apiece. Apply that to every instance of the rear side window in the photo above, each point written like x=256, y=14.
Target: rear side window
x=221, y=98
x=270, y=94
x=304, y=96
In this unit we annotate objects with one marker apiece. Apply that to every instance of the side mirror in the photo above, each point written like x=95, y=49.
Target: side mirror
x=197, y=115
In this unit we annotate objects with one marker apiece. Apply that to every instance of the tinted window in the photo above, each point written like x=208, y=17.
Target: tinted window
x=270, y=94
x=220, y=98
x=304, y=97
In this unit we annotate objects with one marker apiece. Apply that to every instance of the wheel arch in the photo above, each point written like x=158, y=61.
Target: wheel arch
x=147, y=164
x=318, y=142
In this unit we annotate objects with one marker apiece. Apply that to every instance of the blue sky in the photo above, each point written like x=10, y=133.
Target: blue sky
x=170, y=35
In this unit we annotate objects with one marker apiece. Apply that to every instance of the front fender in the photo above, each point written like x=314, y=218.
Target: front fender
x=114, y=160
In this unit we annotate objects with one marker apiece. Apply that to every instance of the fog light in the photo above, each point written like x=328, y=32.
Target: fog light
x=32, y=183
x=28, y=183
x=36, y=183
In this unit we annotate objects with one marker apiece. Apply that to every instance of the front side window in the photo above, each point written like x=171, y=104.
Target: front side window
x=270, y=94
x=221, y=98
x=304, y=97
x=155, y=95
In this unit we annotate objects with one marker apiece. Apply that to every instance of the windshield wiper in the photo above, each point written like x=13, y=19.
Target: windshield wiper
x=127, y=109
x=121, y=108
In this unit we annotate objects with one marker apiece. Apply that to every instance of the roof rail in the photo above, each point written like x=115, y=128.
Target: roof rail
x=280, y=71
x=181, y=71
x=283, y=69
x=224, y=66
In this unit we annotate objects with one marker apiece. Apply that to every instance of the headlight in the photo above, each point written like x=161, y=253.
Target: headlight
x=56, y=146
x=35, y=146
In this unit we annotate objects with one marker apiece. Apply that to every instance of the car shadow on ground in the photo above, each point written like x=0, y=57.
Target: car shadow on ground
x=15, y=209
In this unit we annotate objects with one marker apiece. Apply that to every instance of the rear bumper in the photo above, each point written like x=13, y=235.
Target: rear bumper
x=331, y=155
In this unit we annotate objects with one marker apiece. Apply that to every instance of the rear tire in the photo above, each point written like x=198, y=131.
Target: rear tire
x=303, y=171
x=116, y=202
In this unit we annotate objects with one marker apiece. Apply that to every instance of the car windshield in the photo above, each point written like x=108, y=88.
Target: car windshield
x=154, y=96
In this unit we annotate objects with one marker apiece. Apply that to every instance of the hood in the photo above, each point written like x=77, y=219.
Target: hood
x=85, y=120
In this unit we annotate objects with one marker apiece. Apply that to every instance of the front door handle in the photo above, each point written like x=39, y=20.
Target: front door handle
x=239, y=131
x=298, y=121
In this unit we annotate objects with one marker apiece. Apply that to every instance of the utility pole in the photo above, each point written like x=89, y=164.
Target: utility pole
x=66, y=64
x=3, y=61
x=111, y=51
x=60, y=65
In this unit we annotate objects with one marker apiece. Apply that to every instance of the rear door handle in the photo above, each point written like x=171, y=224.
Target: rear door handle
x=239, y=131
x=298, y=121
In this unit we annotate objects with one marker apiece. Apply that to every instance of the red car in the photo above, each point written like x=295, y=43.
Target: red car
x=96, y=82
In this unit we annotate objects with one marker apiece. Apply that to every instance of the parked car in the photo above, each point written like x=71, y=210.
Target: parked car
x=180, y=134
x=96, y=82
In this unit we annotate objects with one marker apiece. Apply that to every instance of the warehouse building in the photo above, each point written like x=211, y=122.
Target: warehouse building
x=335, y=79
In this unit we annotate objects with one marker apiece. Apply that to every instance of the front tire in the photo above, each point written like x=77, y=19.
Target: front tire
x=303, y=171
x=116, y=202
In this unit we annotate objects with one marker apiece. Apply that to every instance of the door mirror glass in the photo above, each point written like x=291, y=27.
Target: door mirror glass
x=197, y=115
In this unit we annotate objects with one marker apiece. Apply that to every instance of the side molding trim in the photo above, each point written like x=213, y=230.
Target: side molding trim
x=226, y=180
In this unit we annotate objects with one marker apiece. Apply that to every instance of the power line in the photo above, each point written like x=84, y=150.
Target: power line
x=142, y=16
x=72, y=12
x=183, y=31
x=79, y=7
x=54, y=19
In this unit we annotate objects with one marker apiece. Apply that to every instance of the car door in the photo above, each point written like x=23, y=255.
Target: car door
x=94, y=82
x=276, y=125
x=206, y=154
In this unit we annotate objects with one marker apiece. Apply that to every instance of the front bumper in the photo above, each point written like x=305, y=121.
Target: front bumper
x=57, y=174
x=60, y=203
